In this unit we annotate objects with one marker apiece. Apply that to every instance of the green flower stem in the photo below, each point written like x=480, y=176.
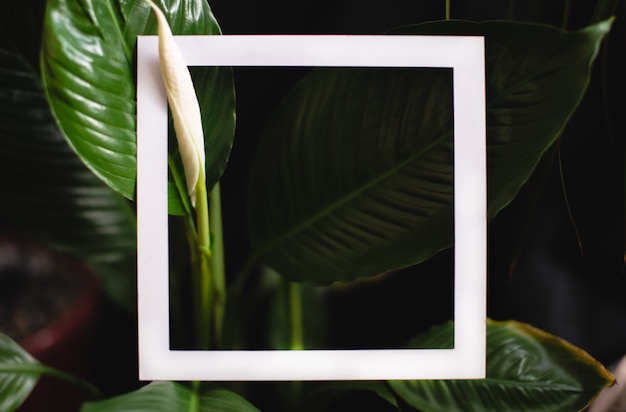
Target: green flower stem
x=567, y=8
x=296, y=333
x=194, y=402
x=604, y=9
x=202, y=320
x=202, y=269
x=209, y=269
x=217, y=263
x=447, y=9
x=88, y=390
x=295, y=313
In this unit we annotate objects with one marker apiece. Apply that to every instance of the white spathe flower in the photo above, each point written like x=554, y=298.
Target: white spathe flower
x=184, y=105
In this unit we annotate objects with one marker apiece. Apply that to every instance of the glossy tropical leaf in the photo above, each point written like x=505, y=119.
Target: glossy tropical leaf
x=353, y=175
x=172, y=397
x=527, y=370
x=88, y=72
x=15, y=384
x=48, y=192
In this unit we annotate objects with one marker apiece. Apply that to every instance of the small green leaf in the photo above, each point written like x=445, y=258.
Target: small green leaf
x=354, y=173
x=172, y=397
x=18, y=374
x=527, y=370
x=88, y=70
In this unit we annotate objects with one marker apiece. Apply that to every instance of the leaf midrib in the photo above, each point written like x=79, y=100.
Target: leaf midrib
x=329, y=209
x=119, y=31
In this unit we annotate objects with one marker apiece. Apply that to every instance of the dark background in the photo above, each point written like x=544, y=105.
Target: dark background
x=537, y=271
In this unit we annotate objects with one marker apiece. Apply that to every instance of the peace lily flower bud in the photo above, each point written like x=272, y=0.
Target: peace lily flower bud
x=184, y=105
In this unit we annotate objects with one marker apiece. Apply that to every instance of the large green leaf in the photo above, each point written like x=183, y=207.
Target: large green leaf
x=89, y=76
x=353, y=175
x=48, y=191
x=527, y=370
x=18, y=374
x=172, y=397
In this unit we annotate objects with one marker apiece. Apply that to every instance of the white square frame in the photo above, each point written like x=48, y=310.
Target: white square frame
x=465, y=56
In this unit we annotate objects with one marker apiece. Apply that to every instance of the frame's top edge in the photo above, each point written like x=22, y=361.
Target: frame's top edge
x=322, y=36
x=327, y=50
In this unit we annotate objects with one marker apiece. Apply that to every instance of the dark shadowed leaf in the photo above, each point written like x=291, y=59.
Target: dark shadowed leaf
x=353, y=175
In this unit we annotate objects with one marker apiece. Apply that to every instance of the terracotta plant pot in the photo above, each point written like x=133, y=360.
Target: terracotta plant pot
x=48, y=304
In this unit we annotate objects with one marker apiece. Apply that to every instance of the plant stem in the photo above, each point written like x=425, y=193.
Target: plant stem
x=566, y=13
x=193, y=402
x=295, y=314
x=217, y=263
x=202, y=272
x=604, y=9
x=511, y=11
x=296, y=337
x=209, y=269
x=447, y=9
